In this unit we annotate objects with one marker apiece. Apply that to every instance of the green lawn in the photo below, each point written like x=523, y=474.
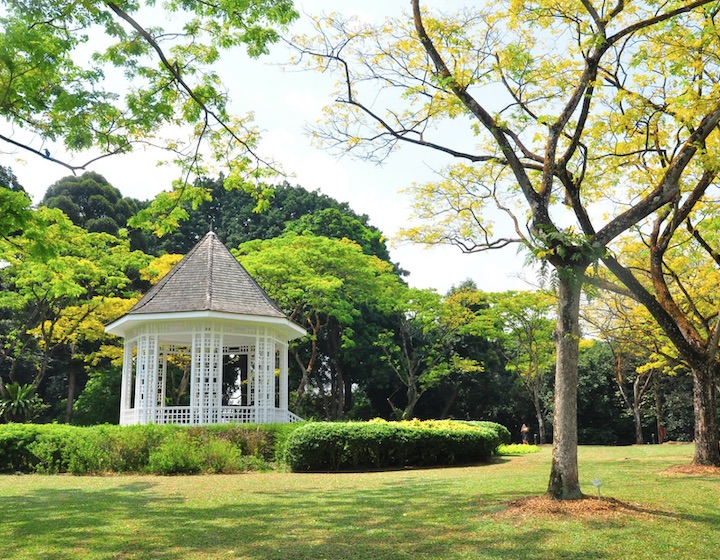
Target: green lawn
x=416, y=514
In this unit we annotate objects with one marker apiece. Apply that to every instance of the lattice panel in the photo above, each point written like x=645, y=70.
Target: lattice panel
x=206, y=383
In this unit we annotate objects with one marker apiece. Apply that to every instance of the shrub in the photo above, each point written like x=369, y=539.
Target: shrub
x=330, y=446
x=177, y=455
x=15, y=439
x=220, y=456
x=517, y=449
x=53, y=448
x=250, y=440
x=502, y=432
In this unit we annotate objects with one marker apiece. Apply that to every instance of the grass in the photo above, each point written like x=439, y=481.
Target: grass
x=415, y=514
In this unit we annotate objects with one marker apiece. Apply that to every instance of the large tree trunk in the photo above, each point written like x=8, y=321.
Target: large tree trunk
x=637, y=417
x=564, y=484
x=707, y=442
x=337, y=375
x=349, y=399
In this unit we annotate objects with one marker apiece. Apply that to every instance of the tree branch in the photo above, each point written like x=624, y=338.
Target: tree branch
x=177, y=76
x=482, y=115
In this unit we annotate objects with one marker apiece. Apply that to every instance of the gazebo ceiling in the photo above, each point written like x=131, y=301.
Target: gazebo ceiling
x=207, y=283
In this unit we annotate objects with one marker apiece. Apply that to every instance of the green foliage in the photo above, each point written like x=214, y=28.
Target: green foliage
x=422, y=346
x=321, y=446
x=21, y=404
x=95, y=75
x=14, y=211
x=517, y=449
x=338, y=224
x=92, y=203
x=15, y=441
x=503, y=434
x=60, y=285
x=170, y=449
x=99, y=402
x=52, y=450
x=177, y=455
x=327, y=286
x=602, y=418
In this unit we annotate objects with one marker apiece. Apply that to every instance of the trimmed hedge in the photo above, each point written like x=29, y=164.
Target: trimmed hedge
x=329, y=446
x=169, y=449
x=502, y=432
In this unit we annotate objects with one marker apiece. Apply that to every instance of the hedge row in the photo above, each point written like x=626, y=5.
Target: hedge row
x=55, y=448
x=327, y=446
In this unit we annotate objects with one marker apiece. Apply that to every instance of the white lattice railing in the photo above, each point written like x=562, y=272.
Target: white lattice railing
x=186, y=415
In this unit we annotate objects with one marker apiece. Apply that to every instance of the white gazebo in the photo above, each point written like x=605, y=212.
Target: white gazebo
x=208, y=312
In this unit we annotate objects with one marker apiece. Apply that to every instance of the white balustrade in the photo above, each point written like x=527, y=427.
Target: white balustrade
x=185, y=415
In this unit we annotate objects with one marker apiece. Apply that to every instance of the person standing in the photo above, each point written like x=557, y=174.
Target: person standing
x=525, y=433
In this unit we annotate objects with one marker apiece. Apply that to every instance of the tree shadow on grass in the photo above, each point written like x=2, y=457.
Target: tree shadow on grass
x=412, y=518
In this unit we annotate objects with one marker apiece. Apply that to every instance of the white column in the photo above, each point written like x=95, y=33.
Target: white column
x=259, y=379
x=197, y=361
x=252, y=377
x=271, y=379
x=161, y=382
x=216, y=371
x=126, y=384
x=283, y=403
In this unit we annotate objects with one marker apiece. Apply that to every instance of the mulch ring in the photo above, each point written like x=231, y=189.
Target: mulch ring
x=584, y=508
x=693, y=470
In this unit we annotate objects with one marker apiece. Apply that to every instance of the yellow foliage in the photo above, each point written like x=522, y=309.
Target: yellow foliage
x=159, y=267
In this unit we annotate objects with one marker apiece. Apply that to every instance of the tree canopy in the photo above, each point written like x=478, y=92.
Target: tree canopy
x=104, y=77
x=323, y=284
x=91, y=202
x=59, y=296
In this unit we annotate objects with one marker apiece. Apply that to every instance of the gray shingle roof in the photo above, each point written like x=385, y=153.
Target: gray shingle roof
x=208, y=278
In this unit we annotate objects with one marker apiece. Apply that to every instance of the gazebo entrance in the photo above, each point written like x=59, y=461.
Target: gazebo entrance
x=205, y=313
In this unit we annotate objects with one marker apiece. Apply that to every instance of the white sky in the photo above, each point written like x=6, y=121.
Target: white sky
x=283, y=103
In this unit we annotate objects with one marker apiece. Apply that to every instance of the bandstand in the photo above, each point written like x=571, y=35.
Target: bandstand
x=206, y=312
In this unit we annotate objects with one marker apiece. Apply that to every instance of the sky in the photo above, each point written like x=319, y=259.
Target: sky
x=285, y=103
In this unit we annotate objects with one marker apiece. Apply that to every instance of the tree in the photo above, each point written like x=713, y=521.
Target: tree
x=561, y=103
x=638, y=349
x=14, y=204
x=322, y=284
x=14, y=211
x=336, y=224
x=421, y=347
x=8, y=180
x=91, y=202
x=99, y=403
x=58, y=298
x=525, y=333
x=231, y=215
x=602, y=417
x=60, y=61
x=673, y=270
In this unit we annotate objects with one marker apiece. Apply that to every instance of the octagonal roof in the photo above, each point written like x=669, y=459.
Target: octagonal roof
x=207, y=279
